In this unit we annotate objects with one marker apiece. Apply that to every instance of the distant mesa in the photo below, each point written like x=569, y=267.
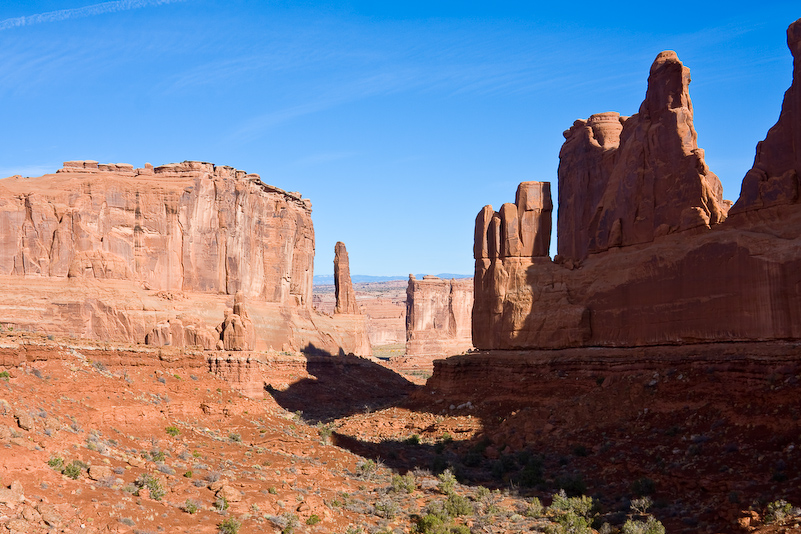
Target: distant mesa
x=438, y=319
x=649, y=252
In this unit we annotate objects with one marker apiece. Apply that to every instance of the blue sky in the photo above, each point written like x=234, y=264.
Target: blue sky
x=399, y=120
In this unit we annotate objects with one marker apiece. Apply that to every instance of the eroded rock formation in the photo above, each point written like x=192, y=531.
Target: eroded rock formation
x=438, y=318
x=647, y=254
x=343, y=288
x=236, y=331
x=155, y=255
x=627, y=180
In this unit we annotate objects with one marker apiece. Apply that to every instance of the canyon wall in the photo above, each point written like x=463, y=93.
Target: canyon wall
x=107, y=251
x=648, y=251
x=438, y=318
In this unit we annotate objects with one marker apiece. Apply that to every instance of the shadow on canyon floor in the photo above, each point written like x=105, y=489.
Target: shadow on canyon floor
x=698, y=441
x=342, y=385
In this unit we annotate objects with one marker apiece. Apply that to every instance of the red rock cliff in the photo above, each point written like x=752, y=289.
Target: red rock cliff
x=156, y=255
x=646, y=253
x=188, y=226
x=438, y=317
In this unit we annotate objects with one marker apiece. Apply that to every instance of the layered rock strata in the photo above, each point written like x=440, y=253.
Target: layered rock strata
x=438, y=318
x=155, y=255
x=188, y=226
x=647, y=255
x=343, y=288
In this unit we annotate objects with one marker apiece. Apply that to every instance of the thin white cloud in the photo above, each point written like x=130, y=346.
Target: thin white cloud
x=80, y=12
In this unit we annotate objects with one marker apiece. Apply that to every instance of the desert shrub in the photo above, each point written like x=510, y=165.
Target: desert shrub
x=456, y=505
x=158, y=456
x=649, y=526
x=533, y=508
x=173, y=431
x=414, y=439
x=229, y=526
x=73, y=470
x=403, y=484
x=4, y=375
x=562, y=504
x=387, y=508
x=236, y=438
x=127, y=521
x=166, y=469
x=221, y=504
x=366, y=469
x=641, y=505
x=313, y=519
x=447, y=482
x=287, y=522
x=429, y=524
x=191, y=506
x=56, y=463
x=152, y=484
x=188, y=474
x=434, y=524
x=325, y=432
x=777, y=510
x=571, y=523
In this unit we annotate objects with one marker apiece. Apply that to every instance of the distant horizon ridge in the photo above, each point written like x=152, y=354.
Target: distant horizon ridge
x=323, y=279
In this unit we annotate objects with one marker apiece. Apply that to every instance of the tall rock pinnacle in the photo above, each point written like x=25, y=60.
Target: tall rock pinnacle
x=624, y=181
x=346, y=297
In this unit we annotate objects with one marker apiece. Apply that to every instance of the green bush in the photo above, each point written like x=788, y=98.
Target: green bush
x=649, y=526
x=221, y=504
x=414, y=439
x=533, y=508
x=152, y=484
x=366, y=469
x=562, y=504
x=313, y=519
x=572, y=523
x=447, y=482
x=191, y=506
x=56, y=463
x=456, y=505
x=229, y=526
x=777, y=510
x=236, y=438
x=403, y=484
x=173, y=430
x=387, y=509
x=73, y=470
x=325, y=432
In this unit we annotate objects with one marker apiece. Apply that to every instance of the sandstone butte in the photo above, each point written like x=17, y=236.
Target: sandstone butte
x=156, y=255
x=438, y=319
x=649, y=253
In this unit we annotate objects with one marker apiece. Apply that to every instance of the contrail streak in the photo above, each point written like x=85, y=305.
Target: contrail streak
x=87, y=11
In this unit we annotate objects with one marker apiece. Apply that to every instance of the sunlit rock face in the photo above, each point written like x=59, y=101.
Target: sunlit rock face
x=648, y=251
x=156, y=256
x=345, y=296
x=438, y=318
x=188, y=226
